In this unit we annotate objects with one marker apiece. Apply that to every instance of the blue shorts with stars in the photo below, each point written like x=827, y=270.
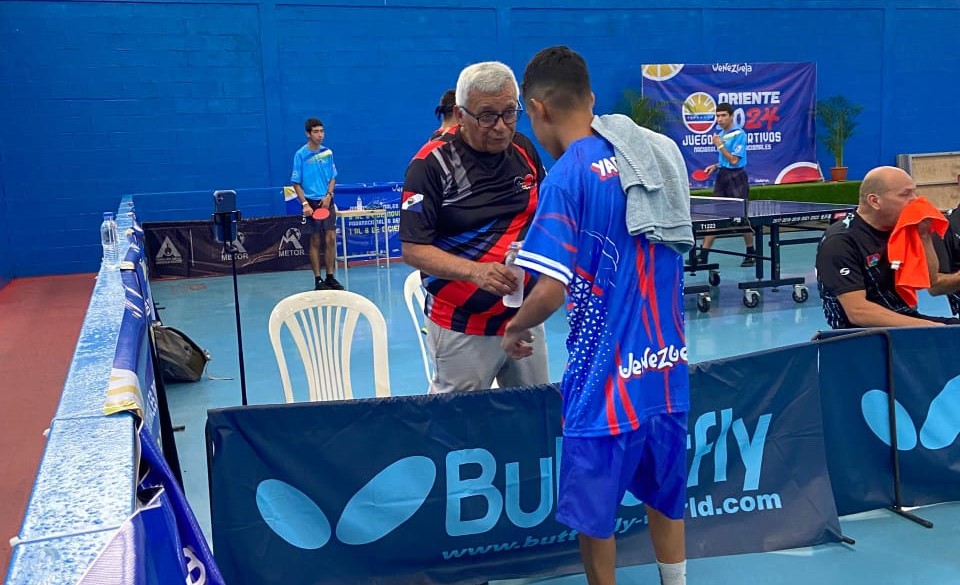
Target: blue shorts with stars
x=596, y=472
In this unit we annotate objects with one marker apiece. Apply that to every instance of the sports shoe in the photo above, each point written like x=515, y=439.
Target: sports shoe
x=321, y=284
x=748, y=261
x=332, y=283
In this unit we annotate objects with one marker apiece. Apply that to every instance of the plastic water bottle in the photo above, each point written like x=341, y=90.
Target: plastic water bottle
x=359, y=203
x=514, y=299
x=109, y=237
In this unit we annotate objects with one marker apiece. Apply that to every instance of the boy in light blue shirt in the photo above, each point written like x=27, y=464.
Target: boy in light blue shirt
x=314, y=176
x=732, y=182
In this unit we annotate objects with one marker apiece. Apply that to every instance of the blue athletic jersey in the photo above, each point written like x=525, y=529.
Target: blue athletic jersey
x=628, y=353
x=735, y=140
x=313, y=169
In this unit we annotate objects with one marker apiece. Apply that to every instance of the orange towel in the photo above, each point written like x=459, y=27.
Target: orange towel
x=905, y=249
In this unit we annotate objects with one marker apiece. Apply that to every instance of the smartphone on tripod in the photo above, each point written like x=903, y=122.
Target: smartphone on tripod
x=225, y=215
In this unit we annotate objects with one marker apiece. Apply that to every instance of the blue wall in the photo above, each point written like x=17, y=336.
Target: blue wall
x=99, y=99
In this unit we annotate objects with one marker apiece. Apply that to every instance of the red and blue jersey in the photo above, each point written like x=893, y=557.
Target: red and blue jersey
x=473, y=205
x=627, y=349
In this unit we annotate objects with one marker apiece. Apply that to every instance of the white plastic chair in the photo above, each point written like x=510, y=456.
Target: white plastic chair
x=322, y=325
x=415, y=298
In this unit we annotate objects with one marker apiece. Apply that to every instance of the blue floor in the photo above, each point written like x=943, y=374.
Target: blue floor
x=888, y=550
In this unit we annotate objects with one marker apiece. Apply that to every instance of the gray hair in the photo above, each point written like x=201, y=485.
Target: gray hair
x=486, y=77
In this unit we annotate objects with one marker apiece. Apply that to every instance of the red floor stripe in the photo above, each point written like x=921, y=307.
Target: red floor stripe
x=40, y=320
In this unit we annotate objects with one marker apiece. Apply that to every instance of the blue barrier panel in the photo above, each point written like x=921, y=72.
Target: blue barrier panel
x=854, y=370
x=860, y=471
x=167, y=541
x=759, y=439
x=85, y=482
x=460, y=488
x=131, y=380
x=926, y=376
x=154, y=564
x=86, y=489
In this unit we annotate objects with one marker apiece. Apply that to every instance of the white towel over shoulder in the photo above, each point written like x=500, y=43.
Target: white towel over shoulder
x=654, y=179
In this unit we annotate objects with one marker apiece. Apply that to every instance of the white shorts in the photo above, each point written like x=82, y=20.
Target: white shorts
x=463, y=362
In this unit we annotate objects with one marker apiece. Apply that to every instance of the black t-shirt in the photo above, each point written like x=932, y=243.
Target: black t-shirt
x=948, y=248
x=853, y=256
x=473, y=205
x=948, y=253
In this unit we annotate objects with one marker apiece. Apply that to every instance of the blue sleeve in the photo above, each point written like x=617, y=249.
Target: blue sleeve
x=297, y=175
x=738, y=144
x=550, y=247
x=333, y=169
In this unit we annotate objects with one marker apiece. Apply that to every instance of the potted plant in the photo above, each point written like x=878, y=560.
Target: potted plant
x=646, y=112
x=839, y=118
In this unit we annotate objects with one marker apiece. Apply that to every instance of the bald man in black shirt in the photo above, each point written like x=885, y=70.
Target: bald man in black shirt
x=854, y=275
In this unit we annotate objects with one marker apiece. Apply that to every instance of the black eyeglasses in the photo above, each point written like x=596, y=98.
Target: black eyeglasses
x=489, y=119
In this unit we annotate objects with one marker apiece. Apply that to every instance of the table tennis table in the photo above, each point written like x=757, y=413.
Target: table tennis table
x=721, y=216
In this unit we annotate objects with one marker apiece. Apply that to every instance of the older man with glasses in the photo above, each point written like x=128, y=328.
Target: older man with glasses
x=467, y=196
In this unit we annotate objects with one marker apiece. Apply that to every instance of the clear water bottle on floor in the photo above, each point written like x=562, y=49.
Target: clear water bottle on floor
x=109, y=238
x=359, y=203
x=514, y=299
